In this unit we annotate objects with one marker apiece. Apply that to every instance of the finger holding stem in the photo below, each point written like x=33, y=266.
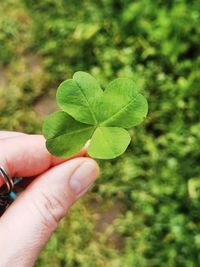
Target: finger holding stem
x=29, y=222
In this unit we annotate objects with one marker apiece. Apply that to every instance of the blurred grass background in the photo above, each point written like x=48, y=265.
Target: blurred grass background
x=145, y=209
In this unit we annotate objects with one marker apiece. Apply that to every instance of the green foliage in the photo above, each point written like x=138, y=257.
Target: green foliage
x=145, y=209
x=98, y=116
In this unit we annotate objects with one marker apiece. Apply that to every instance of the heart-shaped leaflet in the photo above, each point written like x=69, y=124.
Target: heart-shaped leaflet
x=89, y=113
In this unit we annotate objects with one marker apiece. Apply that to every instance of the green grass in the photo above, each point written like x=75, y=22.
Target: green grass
x=154, y=188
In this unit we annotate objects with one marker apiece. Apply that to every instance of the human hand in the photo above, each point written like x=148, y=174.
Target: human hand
x=28, y=223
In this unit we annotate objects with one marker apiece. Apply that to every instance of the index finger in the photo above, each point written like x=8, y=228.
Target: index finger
x=27, y=156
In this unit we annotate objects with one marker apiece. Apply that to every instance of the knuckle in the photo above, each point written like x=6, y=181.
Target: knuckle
x=51, y=208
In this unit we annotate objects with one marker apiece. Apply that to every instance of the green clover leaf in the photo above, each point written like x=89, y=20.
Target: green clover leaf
x=89, y=113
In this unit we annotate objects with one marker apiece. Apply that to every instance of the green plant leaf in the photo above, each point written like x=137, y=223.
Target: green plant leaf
x=121, y=105
x=108, y=142
x=65, y=136
x=76, y=97
x=94, y=114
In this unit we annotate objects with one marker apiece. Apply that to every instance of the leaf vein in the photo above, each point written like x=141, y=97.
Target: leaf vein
x=91, y=111
x=111, y=148
x=73, y=132
x=118, y=112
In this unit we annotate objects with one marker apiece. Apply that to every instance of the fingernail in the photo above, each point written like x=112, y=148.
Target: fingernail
x=84, y=176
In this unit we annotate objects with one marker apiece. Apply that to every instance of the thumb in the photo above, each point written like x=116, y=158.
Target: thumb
x=29, y=222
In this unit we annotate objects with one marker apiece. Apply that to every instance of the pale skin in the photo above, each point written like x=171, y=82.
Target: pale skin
x=29, y=222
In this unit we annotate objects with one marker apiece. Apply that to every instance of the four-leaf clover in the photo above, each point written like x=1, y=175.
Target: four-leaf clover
x=89, y=113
